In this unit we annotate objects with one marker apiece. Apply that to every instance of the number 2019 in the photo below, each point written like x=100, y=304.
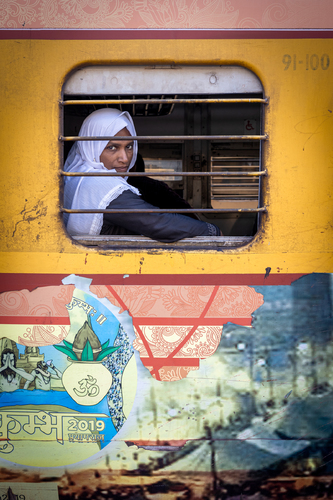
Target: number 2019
x=311, y=62
x=85, y=425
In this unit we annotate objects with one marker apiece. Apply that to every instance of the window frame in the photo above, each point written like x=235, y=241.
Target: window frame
x=190, y=243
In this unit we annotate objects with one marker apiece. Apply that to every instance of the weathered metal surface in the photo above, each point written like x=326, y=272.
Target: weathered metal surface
x=161, y=138
x=160, y=79
x=137, y=241
x=163, y=211
x=90, y=102
x=163, y=174
x=293, y=238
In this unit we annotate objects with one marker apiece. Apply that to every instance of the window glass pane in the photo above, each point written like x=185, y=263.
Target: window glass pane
x=162, y=165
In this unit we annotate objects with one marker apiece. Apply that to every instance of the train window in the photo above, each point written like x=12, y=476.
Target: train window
x=199, y=129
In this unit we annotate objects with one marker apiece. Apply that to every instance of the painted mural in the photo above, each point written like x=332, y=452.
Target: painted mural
x=67, y=355
x=67, y=375
x=165, y=14
x=241, y=402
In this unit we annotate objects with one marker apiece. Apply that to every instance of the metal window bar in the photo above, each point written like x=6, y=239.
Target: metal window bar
x=162, y=210
x=162, y=174
x=260, y=194
x=134, y=101
x=172, y=101
x=166, y=138
x=147, y=105
x=159, y=174
x=167, y=174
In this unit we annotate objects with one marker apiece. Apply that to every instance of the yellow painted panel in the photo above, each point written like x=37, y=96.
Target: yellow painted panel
x=296, y=235
x=239, y=262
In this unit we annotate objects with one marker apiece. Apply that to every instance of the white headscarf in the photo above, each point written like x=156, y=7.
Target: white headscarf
x=84, y=156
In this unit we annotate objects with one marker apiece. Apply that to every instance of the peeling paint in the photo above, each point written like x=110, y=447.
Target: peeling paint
x=141, y=264
x=29, y=215
x=268, y=270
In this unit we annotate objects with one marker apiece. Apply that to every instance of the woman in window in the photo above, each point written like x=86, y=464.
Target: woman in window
x=116, y=192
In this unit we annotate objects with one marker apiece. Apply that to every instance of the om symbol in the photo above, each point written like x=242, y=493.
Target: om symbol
x=88, y=387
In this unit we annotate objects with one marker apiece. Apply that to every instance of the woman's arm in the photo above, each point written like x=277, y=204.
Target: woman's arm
x=162, y=227
x=159, y=194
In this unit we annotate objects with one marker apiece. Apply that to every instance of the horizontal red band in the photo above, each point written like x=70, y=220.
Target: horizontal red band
x=145, y=321
x=161, y=34
x=34, y=320
x=52, y=320
x=160, y=362
x=13, y=281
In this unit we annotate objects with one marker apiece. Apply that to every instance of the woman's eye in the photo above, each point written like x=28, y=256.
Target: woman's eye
x=130, y=146
x=112, y=148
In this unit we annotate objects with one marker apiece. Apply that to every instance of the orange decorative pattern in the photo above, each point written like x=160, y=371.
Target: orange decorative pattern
x=39, y=317
x=165, y=14
x=45, y=301
x=176, y=326
x=181, y=301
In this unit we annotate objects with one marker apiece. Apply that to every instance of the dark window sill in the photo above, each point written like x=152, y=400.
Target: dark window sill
x=142, y=242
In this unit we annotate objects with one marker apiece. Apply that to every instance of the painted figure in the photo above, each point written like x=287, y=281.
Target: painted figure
x=42, y=376
x=10, y=376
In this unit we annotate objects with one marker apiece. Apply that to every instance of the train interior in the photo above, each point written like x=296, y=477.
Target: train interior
x=175, y=156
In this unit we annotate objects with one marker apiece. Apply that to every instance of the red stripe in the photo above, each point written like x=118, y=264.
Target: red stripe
x=52, y=320
x=144, y=321
x=125, y=308
x=34, y=320
x=138, y=329
x=152, y=34
x=160, y=362
x=13, y=281
x=195, y=323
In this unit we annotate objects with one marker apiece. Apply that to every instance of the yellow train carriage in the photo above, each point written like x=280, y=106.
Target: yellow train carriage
x=239, y=125
x=296, y=122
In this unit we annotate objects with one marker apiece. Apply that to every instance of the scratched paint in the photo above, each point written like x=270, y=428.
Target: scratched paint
x=28, y=215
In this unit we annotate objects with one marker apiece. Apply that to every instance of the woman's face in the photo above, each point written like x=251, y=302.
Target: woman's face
x=118, y=155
